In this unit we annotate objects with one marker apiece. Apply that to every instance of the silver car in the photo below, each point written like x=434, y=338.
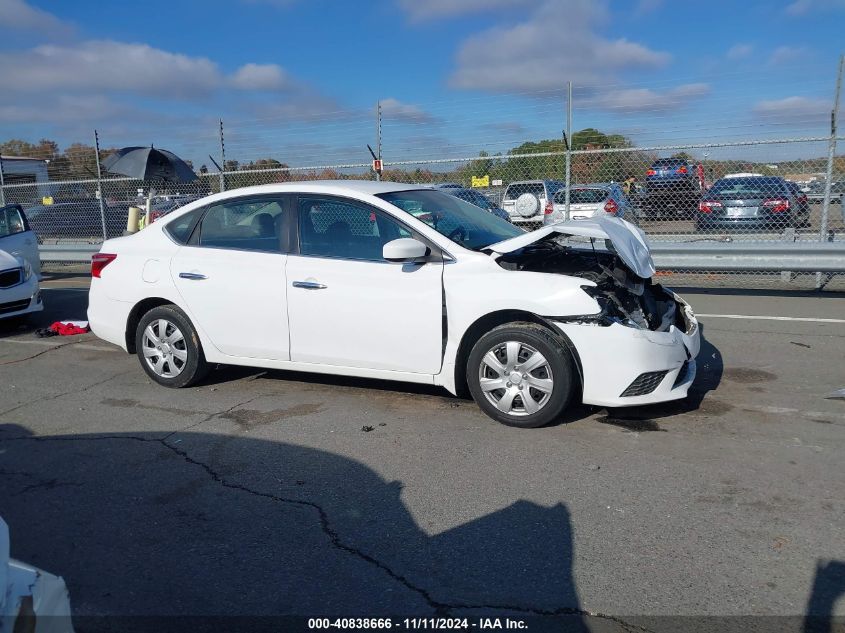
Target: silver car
x=585, y=201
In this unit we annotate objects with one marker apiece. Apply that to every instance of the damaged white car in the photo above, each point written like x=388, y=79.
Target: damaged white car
x=398, y=282
x=30, y=599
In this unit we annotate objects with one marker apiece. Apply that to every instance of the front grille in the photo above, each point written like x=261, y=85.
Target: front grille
x=10, y=277
x=645, y=383
x=14, y=306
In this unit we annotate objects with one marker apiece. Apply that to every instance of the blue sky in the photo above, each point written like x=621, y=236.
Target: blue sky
x=298, y=79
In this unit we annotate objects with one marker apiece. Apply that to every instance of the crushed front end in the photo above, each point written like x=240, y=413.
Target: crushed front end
x=640, y=347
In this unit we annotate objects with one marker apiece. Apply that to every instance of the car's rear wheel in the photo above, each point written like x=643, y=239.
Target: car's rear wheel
x=168, y=347
x=520, y=374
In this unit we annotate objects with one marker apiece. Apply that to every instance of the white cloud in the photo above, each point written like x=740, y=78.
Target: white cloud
x=107, y=66
x=627, y=100
x=739, y=51
x=803, y=7
x=18, y=15
x=786, y=54
x=538, y=53
x=793, y=108
x=261, y=77
x=394, y=109
x=423, y=10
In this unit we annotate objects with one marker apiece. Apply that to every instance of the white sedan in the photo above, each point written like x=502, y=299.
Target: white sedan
x=398, y=282
x=20, y=265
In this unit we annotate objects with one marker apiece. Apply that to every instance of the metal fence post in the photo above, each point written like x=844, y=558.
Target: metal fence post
x=568, y=147
x=378, y=135
x=100, y=185
x=222, y=159
x=831, y=154
x=2, y=184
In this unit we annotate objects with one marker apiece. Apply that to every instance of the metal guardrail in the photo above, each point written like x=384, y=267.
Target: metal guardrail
x=825, y=257
x=67, y=252
x=733, y=256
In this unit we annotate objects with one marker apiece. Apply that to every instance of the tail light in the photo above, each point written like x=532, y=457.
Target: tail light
x=611, y=207
x=682, y=170
x=100, y=261
x=549, y=208
x=650, y=172
x=155, y=215
x=776, y=205
x=708, y=206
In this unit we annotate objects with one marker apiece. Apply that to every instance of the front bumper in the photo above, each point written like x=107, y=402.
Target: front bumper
x=22, y=299
x=614, y=357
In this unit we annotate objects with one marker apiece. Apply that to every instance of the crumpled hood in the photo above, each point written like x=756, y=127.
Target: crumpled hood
x=626, y=239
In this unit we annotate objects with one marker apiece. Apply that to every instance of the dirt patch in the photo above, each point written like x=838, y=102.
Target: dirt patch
x=129, y=403
x=251, y=419
x=748, y=375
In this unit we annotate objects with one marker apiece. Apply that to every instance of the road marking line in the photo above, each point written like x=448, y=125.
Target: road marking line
x=769, y=318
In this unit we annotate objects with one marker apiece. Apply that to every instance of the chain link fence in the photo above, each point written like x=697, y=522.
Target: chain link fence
x=763, y=189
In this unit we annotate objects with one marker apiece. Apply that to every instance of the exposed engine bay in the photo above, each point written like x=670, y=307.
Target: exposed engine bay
x=623, y=296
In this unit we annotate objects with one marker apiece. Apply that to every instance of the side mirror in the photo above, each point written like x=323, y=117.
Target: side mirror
x=405, y=249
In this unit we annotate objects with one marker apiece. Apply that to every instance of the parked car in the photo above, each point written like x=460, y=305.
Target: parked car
x=751, y=203
x=30, y=599
x=587, y=200
x=81, y=220
x=474, y=197
x=527, y=200
x=802, y=201
x=20, y=265
x=391, y=281
x=672, y=188
x=449, y=185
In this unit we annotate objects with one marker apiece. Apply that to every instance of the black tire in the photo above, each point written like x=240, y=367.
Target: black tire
x=192, y=369
x=559, y=362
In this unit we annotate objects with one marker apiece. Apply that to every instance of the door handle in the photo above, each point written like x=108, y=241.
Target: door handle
x=194, y=276
x=309, y=285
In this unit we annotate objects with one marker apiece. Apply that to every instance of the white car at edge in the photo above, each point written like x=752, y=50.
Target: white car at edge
x=398, y=282
x=20, y=265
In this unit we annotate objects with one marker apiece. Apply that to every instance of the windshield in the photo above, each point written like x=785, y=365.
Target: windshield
x=460, y=221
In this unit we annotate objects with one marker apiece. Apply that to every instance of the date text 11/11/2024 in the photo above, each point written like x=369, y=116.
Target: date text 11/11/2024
x=417, y=623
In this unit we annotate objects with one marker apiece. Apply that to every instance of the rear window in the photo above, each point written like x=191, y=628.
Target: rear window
x=668, y=162
x=181, y=228
x=534, y=188
x=582, y=196
x=748, y=187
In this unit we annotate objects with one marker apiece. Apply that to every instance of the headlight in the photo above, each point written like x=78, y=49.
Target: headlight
x=27, y=269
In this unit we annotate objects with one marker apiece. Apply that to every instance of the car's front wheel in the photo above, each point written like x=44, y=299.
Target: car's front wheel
x=520, y=374
x=168, y=347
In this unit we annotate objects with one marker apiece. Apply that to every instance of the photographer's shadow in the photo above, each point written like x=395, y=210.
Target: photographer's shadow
x=220, y=524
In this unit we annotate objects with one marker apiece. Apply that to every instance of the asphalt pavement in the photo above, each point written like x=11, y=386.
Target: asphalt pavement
x=279, y=493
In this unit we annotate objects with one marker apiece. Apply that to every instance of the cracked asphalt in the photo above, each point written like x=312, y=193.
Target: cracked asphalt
x=259, y=492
